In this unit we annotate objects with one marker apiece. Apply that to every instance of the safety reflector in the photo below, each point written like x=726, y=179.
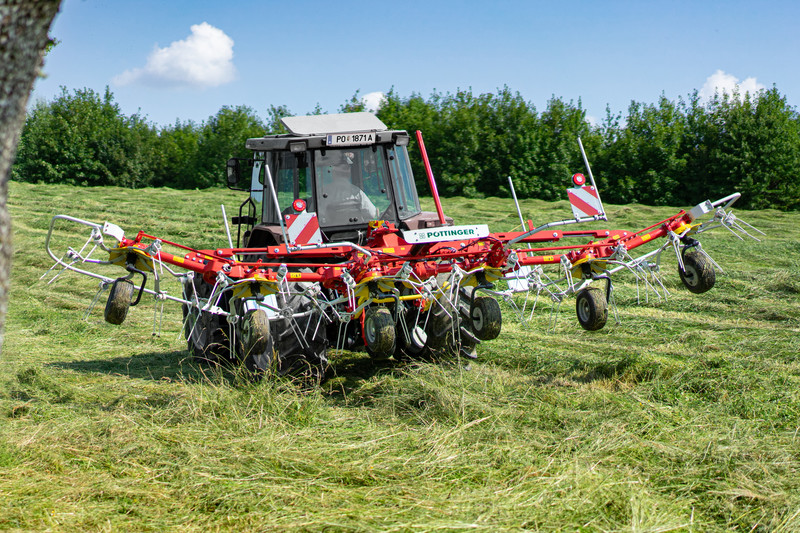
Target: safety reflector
x=585, y=202
x=578, y=179
x=299, y=205
x=303, y=229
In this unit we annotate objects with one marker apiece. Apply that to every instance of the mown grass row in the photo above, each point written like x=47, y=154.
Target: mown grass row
x=682, y=417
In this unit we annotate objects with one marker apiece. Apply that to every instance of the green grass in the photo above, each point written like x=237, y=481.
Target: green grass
x=684, y=417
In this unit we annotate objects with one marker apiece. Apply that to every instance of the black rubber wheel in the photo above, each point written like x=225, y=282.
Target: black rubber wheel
x=119, y=301
x=256, y=347
x=379, y=333
x=698, y=275
x=440, y=330
x=592, y=309
x=415, y=346
x=307, y=359
x=487, y=320
x=206, y=334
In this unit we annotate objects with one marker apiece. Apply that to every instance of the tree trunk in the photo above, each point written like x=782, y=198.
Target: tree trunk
x=23, y=36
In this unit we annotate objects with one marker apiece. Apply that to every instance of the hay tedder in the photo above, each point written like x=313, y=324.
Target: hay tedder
x=333, y=250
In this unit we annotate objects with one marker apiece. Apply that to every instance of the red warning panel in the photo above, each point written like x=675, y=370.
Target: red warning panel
x=303, y=229
x=585, y=202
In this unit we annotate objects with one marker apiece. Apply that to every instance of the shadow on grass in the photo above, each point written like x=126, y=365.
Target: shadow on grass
x=174, y=365
x=346, y=372
x=628, y=368
x=349, y=370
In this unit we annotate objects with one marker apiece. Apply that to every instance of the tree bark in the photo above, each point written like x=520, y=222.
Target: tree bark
x=23, y=36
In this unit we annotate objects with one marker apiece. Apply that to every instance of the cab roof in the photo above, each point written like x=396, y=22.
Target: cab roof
x=312, y=131
x=335, y=123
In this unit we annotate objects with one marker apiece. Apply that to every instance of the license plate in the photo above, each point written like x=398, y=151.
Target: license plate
x=351, y=139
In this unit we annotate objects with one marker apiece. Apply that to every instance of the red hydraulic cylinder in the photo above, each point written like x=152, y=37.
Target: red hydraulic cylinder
x=431, y=181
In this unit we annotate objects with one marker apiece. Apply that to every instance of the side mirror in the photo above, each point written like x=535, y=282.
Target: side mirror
x=234, y=172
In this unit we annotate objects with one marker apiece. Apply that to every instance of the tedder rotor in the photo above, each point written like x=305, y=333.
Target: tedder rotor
x=333, y=250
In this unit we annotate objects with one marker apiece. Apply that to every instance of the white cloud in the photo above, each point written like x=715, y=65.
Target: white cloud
x=203, y=59
x=722, y=82
x=373, y=101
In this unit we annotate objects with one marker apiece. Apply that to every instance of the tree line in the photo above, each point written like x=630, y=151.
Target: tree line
x=666, y=153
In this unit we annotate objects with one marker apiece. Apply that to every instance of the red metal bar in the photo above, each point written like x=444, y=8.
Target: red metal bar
x=431, y=181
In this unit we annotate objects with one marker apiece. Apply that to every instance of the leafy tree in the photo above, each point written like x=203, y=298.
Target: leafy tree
x=482, y=138
x=23, y=32
x=555, y=153
x=643, y=162
x=84, y=139
x=749, y=144
x=354, y=105
x=474, y=142
x=274, y=116
x=223, y=136
x=179, y=146
x=664, y=153
x=411, y=114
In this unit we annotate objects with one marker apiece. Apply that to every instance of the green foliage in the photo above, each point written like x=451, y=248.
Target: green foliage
x=354, y=105
x=83, y=139
x=179, y=153
x=668, y=153
x=559, y=155
x=749, y=144
x=476, y=142
x=274, y=124
x=480, y=140
x=643, y=162
x=223, y=136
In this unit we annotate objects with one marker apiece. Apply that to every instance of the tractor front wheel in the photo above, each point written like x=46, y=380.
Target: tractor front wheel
x=698, y=274
x=592, y=309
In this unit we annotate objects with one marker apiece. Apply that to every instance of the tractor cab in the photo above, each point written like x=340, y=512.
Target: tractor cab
x=328, y=178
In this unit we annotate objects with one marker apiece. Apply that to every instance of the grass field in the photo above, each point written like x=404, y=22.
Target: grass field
x=683, y=417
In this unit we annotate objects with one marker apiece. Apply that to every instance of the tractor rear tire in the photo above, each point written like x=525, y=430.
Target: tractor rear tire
x=441, y=332
x=119, y=301
x=380, y=336
x=592, y=309
x=487, y=320
x=698, y=274
x=305, y=360
x=206, y=333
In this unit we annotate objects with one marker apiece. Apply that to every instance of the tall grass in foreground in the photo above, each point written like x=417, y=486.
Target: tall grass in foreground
x=684, y=417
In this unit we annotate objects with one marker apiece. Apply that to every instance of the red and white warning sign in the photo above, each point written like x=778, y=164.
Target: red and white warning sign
x=303, y=229
x=585, y=201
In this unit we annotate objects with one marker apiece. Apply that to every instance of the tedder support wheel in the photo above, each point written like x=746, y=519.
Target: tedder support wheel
x=486, y=318
x=698, y=274
x=592, y=309
x=119, y=300
x=379, y=333
x=257, y=349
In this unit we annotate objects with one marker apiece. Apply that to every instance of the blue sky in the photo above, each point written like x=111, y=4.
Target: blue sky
x=175, y=59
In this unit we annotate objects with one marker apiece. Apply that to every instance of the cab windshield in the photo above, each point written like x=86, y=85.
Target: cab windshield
x=352, y=186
